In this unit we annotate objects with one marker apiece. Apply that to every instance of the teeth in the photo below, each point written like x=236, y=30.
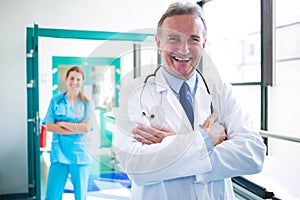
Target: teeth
x=182, y=59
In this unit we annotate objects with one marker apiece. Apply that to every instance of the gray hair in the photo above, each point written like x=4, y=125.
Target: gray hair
x=180, y=8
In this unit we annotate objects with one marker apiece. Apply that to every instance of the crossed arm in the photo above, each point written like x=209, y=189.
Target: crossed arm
x=155, y=133
x=68, y=127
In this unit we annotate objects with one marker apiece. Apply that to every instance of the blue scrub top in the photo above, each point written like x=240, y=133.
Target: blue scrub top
x=68, y=149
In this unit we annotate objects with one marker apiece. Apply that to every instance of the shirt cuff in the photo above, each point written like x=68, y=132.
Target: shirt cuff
x=207, y=139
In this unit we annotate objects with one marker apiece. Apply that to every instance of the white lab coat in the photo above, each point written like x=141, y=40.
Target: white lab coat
x=180, y=167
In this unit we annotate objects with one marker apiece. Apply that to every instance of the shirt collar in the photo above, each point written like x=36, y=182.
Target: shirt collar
x=176, y=83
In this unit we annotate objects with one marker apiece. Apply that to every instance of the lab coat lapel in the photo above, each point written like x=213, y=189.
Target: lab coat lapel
x=172, y=106
x=202, y=102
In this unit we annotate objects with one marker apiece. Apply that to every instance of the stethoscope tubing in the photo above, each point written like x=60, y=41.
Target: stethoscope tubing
x=151, y=116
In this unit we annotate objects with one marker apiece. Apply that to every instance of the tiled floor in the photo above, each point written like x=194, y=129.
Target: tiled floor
x=109, y=185
x=108, y=194
x=113, y=186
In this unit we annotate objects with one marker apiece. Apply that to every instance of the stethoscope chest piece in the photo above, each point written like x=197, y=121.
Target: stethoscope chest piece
x=157, y=115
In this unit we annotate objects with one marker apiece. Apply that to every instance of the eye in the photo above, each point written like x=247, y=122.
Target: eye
x=195, y=39
x=174, y=39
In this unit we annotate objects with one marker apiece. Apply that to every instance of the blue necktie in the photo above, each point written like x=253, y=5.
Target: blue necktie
x=186, y=99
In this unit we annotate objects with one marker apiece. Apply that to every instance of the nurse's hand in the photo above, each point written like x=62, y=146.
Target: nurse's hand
x=74, y=128
x=215, y=131
x=151, y=134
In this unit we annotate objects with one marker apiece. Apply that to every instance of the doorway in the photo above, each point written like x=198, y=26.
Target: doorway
x=101, y=54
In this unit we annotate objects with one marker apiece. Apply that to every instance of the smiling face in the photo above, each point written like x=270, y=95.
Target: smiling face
x=74, y=81
x=181, y=42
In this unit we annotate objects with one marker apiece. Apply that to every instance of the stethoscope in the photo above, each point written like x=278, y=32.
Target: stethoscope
x=152, y=116
x=61, y=108
x=62, y=99
x=62, y=102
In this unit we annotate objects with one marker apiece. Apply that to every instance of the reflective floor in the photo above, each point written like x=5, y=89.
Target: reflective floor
x=105, y=181
x=108, y=194
x=113, y=185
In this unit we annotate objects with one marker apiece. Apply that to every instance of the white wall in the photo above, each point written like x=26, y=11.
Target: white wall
x=15, y=16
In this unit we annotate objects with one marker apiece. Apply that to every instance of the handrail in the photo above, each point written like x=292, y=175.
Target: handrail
x=268, y=134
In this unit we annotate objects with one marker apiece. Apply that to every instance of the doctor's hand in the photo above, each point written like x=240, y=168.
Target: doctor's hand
x=215, y=131
x=151, y=134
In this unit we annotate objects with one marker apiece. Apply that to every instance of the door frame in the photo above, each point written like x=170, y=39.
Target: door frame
x=33, y=119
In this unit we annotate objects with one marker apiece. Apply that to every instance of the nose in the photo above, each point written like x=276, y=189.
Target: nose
x=183, y=48
x=74, y=83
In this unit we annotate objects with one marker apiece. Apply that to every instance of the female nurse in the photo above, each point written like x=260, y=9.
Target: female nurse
x=67, y=117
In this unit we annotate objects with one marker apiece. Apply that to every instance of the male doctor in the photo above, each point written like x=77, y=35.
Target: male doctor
x=167, y=152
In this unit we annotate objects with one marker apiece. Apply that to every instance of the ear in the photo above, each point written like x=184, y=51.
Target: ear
x=204, y=43
x=157, y=40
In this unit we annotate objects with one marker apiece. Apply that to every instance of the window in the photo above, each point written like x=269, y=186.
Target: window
x=284, y=97
x=233, y=44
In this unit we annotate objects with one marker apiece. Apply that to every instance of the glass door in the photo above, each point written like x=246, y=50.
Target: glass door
x=49, y=53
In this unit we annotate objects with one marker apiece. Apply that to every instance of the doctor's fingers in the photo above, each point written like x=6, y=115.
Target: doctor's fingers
x=222, y=137
x=149, y=133
x=146, y=138
x=154, y=133
x=163, y=130
x=141, y=139
x=210, y=120
x=216, y=133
